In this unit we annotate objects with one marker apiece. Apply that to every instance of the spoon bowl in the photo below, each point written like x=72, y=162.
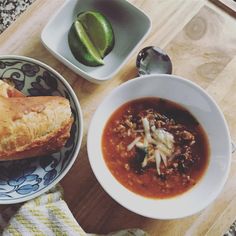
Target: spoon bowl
x=153, y=60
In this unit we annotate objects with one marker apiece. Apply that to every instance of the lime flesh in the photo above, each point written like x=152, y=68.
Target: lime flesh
x=99, y=31
x=82, y=47
x=91, y=38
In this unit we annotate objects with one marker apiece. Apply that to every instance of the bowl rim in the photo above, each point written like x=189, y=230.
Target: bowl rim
x=140, y=212
x=77, y=69
x=80, y=133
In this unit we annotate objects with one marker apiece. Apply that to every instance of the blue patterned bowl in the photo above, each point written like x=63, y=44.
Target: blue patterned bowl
x=22, y=180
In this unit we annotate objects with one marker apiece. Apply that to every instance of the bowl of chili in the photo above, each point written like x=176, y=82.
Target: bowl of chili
x=160, y=146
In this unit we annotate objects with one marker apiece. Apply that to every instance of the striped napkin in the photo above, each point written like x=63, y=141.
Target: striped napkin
x=47, y=215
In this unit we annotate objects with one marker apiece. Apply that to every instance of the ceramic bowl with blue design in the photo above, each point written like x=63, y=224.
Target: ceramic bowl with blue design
x=22, y=180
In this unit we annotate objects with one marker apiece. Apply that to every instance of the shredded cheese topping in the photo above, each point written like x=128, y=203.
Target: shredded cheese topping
x=157, y=139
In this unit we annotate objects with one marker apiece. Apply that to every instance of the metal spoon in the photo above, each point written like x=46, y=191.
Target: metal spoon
x=153, y=60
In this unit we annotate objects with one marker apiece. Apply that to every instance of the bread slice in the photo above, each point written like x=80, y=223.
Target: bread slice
x=33, y=126
x=8, y=91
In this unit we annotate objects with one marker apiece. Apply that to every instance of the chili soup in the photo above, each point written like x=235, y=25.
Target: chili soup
x=155, y=147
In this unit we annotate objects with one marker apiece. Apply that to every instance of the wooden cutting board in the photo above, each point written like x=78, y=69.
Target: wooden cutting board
x=201, y=40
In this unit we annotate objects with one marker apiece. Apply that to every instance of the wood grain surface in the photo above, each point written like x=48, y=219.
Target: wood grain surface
x=201, y=40
x=231, y=4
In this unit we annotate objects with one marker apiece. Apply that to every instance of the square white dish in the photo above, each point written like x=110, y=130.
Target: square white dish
x=130, y=26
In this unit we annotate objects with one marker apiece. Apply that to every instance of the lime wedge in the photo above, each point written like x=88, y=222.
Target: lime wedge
x=82, y=47
x=99, y=31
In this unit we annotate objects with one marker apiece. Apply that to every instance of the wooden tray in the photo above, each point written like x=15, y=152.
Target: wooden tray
x=231, y=4
x=200, y=38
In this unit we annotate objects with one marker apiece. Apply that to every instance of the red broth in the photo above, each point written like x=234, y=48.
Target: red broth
x=169, y=161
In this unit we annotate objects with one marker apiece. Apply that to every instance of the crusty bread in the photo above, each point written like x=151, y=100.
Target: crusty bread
x=8, y=91
x=33, y=126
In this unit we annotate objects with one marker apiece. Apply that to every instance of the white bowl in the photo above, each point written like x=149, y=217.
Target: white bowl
x=130, y=26
x=194, y=99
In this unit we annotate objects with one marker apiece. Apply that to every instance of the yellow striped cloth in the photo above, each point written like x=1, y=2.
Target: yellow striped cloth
x=47, y=215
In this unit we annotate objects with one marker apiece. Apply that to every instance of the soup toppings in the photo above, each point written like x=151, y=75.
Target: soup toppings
x=155, y=147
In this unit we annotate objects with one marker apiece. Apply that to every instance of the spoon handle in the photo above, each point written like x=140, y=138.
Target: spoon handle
x=233, y=148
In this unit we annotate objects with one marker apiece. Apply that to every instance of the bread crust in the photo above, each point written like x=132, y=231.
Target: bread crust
x=53, y=143
x=8, y=91
x=33, y=126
